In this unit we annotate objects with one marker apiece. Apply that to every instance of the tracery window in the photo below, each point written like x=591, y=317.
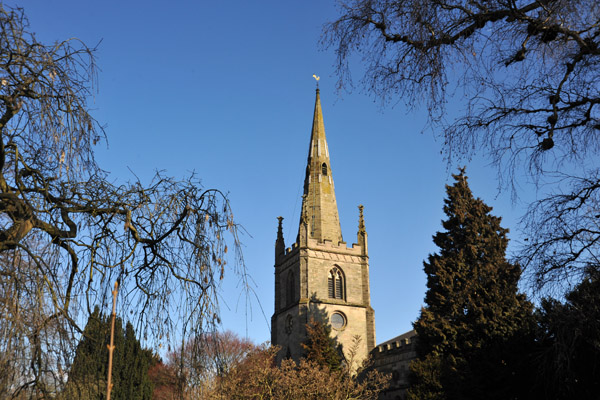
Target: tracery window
x=336, y=284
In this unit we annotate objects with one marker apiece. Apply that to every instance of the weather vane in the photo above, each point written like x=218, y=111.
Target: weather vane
x=317, y=79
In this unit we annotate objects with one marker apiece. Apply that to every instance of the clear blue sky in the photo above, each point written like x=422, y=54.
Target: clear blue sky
x=225, y=89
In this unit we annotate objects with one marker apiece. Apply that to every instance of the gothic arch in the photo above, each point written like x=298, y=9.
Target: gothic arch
x=336, y=284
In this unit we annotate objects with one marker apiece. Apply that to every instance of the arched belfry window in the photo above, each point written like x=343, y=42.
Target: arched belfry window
x=291, y=289
x=324, y=169
x=336, y=284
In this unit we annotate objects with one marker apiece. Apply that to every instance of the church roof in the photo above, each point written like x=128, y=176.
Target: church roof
x=319, y=206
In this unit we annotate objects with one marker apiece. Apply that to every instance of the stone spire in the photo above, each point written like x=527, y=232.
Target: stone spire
x=319, y=195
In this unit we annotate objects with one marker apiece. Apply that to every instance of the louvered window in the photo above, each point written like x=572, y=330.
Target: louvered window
x=335, y=283
x=338, y=288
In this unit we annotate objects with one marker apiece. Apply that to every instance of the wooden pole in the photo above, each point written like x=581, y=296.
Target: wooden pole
x=111, y=346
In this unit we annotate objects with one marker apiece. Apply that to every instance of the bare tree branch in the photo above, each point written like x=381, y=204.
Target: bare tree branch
x=67, y=233
x=528, y=74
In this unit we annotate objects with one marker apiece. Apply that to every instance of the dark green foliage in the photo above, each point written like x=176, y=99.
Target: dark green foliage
x=320, y=347
x=568, y=357
x=88, y=374
x=132, y=369
x=475, y=322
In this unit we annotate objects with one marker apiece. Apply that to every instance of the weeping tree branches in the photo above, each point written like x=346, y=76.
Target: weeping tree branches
x=528, y=76
x=529, y=68
x=63, y=223
x=567, y=232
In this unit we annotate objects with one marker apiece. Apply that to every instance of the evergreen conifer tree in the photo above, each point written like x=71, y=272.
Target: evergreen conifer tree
x=132, y=369
x=320, y=347
x=88, y=373
x=475, y=320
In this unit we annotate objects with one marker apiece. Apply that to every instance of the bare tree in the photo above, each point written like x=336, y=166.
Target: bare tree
x=564, y=230
x=31, y=347
x=529, y=74
x=67, y=233
x=203, y=359
x=259, y=377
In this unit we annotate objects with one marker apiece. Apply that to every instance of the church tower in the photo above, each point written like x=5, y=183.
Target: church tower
x=319, y=276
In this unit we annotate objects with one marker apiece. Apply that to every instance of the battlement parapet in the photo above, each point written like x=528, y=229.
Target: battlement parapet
x=326, y=250
x=399, y=344
x=328, y=245
x=290, y=250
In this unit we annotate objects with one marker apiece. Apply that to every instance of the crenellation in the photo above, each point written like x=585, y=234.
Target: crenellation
x=328, y=246
x=291, y=250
